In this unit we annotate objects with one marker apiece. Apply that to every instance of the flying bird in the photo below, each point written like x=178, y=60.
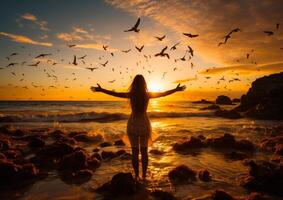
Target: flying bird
x=162, y=54
x=277, y=26
x=135, y=27
x=82, y=57
x=75, y=60
x=104, y=64
x=174, y=47
x=35, y=64
x=268, y=33
x=160, y=38
x=140, y=48
x=190, y=35
x=43, y=55
x=126, y=51
x=191, y=51
x=234, y=31
x=91, y=68
x=112, y=81
x=71, y=45
x=105, y=47
x=12, y=64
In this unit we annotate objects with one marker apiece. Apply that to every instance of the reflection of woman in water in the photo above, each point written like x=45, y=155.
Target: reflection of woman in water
x=138, y=127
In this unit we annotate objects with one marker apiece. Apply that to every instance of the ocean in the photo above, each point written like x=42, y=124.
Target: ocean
x=171, y=122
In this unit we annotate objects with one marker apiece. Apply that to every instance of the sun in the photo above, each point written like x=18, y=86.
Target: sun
x=154, y=87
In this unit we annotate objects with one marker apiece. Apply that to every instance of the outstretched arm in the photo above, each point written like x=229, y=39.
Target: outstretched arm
x=168, y=92
x=109, y=92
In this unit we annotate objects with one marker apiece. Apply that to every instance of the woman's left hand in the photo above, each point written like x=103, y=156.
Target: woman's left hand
x=180, y=88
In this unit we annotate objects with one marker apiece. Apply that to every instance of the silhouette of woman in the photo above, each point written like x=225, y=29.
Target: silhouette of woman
x=138, y=127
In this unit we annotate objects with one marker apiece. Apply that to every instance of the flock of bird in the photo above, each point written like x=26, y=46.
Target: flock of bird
x=164, y=52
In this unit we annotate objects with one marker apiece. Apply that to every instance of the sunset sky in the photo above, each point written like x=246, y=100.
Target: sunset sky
x=32, y=27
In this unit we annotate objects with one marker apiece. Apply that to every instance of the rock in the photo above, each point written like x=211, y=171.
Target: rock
x=229, y=114
x=119, y=143
x=162, y=195
x=264, y=99
x=57, y=134
x=223, y=100
x=12, y=153
x=5, y=144
x=120, y=152
x=105, y=144
x=82, y=138
x=121, y=184
x=236, y=155
x=78, y=177
x=8, y=171
x=56, y=150
x=27, y=171
x=107, y=155
x=36, y=143
x=74, y=133
x=204, y=175
x=182, y=173
x=257, y=196
x=236, y=100
x=187, y=145
x=245, y=145
x=211, y=107
x=95, y=150
x=93, y=162
x=203, y=101
x=221, y=195
x=264, y=177
x=74, y=161
x=226, y=141
x=156, y=152
x=97, y=156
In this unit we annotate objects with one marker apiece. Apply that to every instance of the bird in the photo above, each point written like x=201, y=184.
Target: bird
x=104, y=64
x=248, y=55
x=162, y=54
x=174, y=47
x=126, y=51
x=175, y=68
x=226, y=37
x=24, y=62
x=82, y=57
x=13, y=54
x=163, y=75
x=277, y=26
x=91, y=68
x=234, y=31
x=112, y=81
x=13, y=73
x=191, y=51
x=11, y=64
x=140, y=48
x=160, y=38
x=35, y=64
x=135, y=27
x=190, y=35
x=71, y=45
x=220, y=43
x=75, y=60
x=268, y=33
x=105, y=47
x=43, y=55
x=112, y=54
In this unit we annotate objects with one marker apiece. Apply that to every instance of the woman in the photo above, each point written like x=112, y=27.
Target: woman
x=138, y=127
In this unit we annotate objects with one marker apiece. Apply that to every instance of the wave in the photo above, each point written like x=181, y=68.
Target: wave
x=102, y=117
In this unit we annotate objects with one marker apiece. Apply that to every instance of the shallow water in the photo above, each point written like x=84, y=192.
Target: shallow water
x=171, y=121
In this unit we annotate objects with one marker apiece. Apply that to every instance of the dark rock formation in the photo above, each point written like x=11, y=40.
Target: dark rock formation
x=264, y=99
x=229, y=114
x=223, y=100
x=221, y=195
x=119, y=143
x=190, y=144
x=182, y=173
x=162, y=195
x=211, y=107
x=204, y=175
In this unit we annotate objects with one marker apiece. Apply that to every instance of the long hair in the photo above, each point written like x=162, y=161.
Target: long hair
x=138, y=95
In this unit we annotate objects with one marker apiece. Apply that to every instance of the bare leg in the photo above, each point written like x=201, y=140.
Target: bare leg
x=135, y=160
x=144, y=161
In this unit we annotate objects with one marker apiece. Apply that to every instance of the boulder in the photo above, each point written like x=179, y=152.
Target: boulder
x=264, y=99
x=204, y=175
x=107, y=155
x=78, y=177
x=182, y=173
x=121, y=184
x=187, y=145
x=36, y=143
x=226, y=141
x=119, y=143
x=229, y=114
x=74, y=161
x=105, y=144
x=156, y=152
x=211, y=107
x=162, y=195
x=223, y=100
x=221, y=195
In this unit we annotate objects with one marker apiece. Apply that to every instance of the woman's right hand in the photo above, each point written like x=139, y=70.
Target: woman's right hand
x=96, y=89
x=180, y=88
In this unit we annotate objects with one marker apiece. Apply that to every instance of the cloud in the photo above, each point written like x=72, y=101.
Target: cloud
x=186, y=80
x=81, y=34
x=265, y=68
x=32, y=18
x=24, y=39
